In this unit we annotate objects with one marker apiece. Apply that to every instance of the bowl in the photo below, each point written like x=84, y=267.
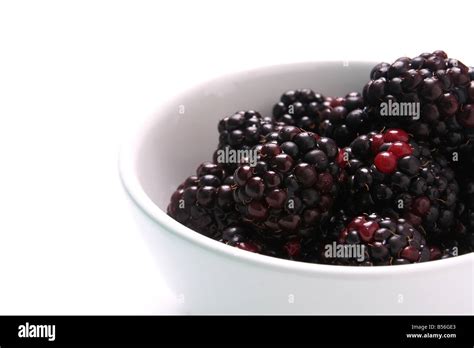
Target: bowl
x=209, y=277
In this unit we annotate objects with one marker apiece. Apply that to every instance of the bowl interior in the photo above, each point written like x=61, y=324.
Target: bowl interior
x=183, y=133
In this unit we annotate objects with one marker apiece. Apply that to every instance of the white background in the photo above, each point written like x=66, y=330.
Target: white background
x=75, y=75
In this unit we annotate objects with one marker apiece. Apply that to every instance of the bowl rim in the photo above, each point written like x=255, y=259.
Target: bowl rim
x=127, y=159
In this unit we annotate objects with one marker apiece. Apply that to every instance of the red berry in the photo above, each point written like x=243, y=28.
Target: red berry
x=400, y=149
x=282, y=162
x=385, y=162
x=337, y=102
x=413, y=219
x=410, y=253
x=367, y=230
x=357, y=222
x=375, y=142
x=393, y=135
x=293, y=248
x=435, y=253
x=341, y=159
x=421, y=205
x=248, y=247
x=270, y=150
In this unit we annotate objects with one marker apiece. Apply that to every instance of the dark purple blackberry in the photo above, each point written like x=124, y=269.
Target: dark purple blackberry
x=346, y=118
x=372, y=240
x=335, y=223
x=465, y=212
x=241, y=131
x=204, y=202
x=446, y=249
x=464, y=171
x=296, y=190
x=341, y=119
x=302, y=108
x=391, y=174
x=438, y=84
x=454, y=136
x=244, y=237
x=464, y=135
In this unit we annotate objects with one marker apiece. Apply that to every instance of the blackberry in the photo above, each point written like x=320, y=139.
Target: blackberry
x=438, y=84
x=464, y=169
x=373, y=240
x=322, y=164
x=336, y=222
x=240, y=131
x=301, y=108
x=204, y=202
x=294, y=188
x=340, y=119
x=444, y=250
x=247, y=238
x=244, y=237
x=465, y=212
x=391, y=174
x=346, y=118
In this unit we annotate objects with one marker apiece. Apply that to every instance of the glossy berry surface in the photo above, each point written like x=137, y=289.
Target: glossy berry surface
x=301, y=108
x=389, y=170
x=204, y=202
x=240, y=131
x=401, y=178
x=372, y=240
x=433, y=95
x=297, y=190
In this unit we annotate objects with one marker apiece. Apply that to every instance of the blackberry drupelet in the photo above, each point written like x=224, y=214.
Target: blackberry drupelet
x=292, y=189
x=389, y=173
x=373, y=240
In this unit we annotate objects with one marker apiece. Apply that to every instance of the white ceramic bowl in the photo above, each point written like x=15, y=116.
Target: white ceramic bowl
x=210, y=277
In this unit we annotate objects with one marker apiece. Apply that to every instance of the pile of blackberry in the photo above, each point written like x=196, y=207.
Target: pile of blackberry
x=336, y=172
